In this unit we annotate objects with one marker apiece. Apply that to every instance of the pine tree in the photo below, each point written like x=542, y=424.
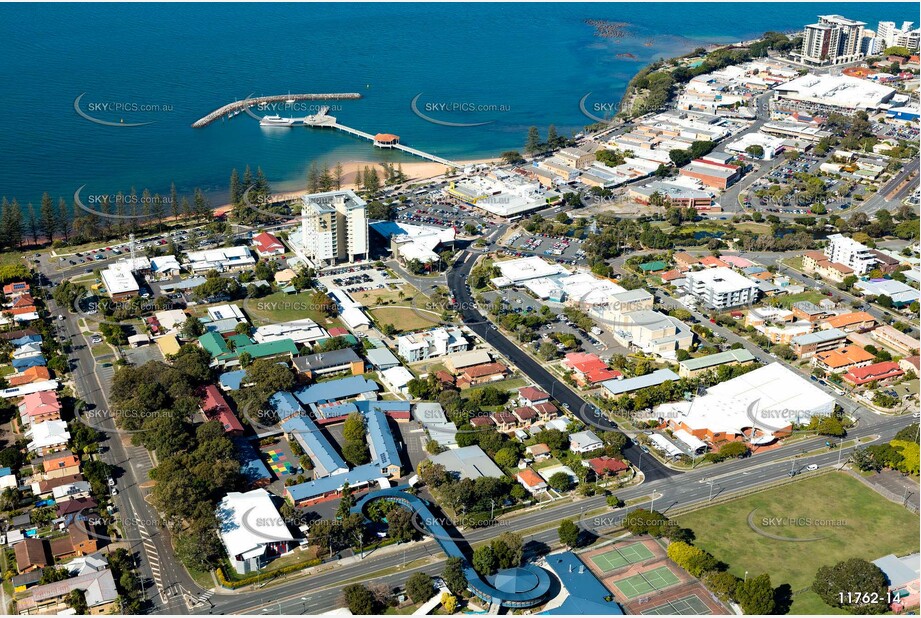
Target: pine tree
x=174, y=201
x=15, y=227
x=235, y=191
x=157, y=210
x=201, y=206
x=373, y=182
x=552, y=137
x=337, y=175
x=65, y=219
x=326, y=179
x=49, y=220
x=185, y=207
x=533, y=145
x=262, y=183
x=313, y=178
x=33, y=224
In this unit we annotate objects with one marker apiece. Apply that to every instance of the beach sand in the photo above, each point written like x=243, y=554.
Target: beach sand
x=414, y=170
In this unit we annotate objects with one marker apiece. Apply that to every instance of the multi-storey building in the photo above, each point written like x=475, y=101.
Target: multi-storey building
x=832, y=40
x=847, y=251
x=334, y=228
x=721, y=288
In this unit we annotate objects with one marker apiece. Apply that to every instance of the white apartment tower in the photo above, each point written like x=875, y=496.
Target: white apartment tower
x=847, y=251
x=334, y=228
x=832, y=40
x=721, y=288
x=906, y=36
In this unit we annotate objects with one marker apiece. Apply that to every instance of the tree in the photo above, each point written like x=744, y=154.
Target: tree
x=533, y=144
x=569, y=533
x=359, y=600
x=484, y=560
x=755, y=150
x=353, y=430
x=856, y=585
x=508, y=548
x=511, y=157
x=831, y=426
x=507, y=457
x=560, y=481
x=400, y=525
x=356, y=453
x=449, y=602
x=721, y=583
x=76, y=600
x=420, y=587
x=756, y=595
x=453, y=576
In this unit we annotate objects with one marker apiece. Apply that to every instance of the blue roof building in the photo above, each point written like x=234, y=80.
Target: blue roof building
x=619, y=387
x=232, y=380
x=334, y=390
x=285, y=405
x=586, y=593
x=383, y=446
x=317, y=490
x=326, y=459
x=21, y=364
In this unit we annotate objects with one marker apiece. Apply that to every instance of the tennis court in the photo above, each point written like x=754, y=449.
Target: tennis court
x=644, y=583
x=622, y=556
x=689, y=606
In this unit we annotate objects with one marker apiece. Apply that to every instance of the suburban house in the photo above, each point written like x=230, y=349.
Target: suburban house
x=531, y=481
x=585, y=442
x=267, y=245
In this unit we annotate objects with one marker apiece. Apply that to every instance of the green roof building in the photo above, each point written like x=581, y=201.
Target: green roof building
x=653, y=267
x=213, y=344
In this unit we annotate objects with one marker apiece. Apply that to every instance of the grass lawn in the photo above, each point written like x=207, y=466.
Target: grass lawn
x=405, y=319
x=812, y=296
x=504, y=385
x=281, y=307
x=853, y=522
x=390, y=297
x=102, y=349
x=755, y=228
x=796, y=263
x=7, y=370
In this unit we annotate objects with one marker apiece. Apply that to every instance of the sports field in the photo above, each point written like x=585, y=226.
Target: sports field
x=622, y=556
x=687, y=606
x=644, y=583
x=827, y=519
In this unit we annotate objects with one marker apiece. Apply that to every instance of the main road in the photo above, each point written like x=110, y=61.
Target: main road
x=165, y=581
x=322, y=591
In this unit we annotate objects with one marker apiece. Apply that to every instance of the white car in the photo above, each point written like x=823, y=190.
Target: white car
x=812, y=467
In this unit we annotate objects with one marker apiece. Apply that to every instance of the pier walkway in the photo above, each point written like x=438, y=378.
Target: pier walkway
x=238, y=106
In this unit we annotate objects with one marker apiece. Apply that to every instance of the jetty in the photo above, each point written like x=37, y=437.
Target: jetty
x=381, y=140
x=238, y=106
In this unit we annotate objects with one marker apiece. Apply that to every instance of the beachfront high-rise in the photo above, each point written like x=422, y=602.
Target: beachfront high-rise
x=832, y=40
x=334, y=228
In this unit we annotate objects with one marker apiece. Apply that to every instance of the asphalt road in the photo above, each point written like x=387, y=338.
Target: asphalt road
x=478, y=323
x=164, y=579
x=322, y=591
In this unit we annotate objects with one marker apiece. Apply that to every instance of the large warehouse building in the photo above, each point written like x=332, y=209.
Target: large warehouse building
x=771, y=399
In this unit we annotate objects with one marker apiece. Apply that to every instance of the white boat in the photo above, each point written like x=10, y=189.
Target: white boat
x=276, y=121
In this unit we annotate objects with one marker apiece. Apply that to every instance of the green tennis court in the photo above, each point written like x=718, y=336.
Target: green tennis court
x=644, y=583
x=622, y=556
x=688, y=606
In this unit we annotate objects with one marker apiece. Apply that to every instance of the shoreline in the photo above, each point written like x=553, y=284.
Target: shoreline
x=415, y=171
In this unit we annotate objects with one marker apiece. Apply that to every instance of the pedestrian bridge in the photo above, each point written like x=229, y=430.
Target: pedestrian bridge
x=517, y=587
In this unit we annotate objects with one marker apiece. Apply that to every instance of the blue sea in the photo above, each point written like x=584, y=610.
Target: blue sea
x=508, y=65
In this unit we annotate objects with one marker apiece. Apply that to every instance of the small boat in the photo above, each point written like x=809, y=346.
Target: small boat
x=276, y=121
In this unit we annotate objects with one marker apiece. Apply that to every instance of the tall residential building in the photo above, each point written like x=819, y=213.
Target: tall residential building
x=334, y=228
x=847, y=251
x=721, y=288
x=832, y=40
x=906, y=36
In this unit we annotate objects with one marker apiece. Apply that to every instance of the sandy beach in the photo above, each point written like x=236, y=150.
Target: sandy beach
x=414, y=170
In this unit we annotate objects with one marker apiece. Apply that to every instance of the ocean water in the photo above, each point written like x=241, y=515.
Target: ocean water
x=508, y=65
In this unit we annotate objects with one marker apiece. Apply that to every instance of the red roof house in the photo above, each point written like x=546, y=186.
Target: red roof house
x=873, y=373
x=607, y=465
x=215, y=407
x=589, y=369
x=531, y=395
x=266, y=245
